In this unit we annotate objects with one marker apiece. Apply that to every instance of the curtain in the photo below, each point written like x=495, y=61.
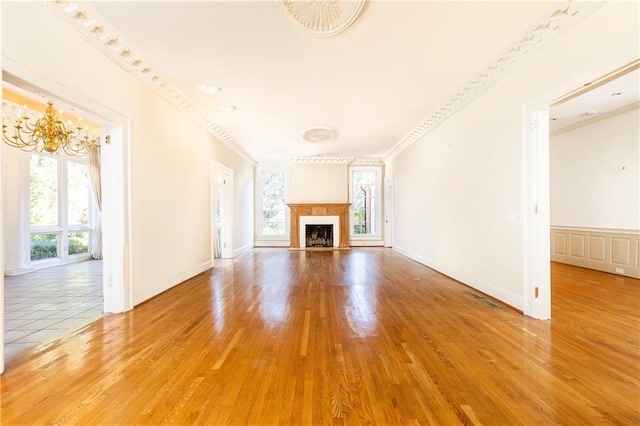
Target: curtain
x=93, y=163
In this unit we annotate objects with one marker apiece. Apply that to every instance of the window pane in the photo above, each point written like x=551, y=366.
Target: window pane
x=273, y=203
x=363, y=207
x=78, y=194
x=43, y=188
x=44, y=246
x=78, y=243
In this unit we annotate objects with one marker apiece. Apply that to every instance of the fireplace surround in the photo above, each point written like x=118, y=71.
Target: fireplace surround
x=322, y=213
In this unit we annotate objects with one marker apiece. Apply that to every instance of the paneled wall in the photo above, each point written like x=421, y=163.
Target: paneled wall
x=615, y=251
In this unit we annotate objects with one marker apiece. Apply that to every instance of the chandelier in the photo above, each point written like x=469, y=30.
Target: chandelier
x=49, y=134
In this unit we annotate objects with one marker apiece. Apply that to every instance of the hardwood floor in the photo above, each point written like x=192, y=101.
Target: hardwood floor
x=341, y=337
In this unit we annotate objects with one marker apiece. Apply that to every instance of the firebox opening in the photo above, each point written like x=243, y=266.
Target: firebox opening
x=319, y=235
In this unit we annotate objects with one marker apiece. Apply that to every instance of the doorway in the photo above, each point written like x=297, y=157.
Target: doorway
x=593, y=98
x=116, y=277
x=221, y=211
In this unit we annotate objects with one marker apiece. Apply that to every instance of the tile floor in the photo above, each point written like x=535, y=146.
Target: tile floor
x=45, y=304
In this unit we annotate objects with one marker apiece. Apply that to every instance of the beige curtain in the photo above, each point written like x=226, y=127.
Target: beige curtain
x=93, y=162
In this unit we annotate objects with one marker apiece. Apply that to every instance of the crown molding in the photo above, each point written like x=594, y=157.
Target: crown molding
x=338, y=160
x=321, y=160
x=93, y=28
x=367, y=162
x=558, y=21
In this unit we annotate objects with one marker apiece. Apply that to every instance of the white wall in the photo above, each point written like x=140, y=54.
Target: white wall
x=319, y=183
x=595, y=174
x=454, y=188
x=170, y=154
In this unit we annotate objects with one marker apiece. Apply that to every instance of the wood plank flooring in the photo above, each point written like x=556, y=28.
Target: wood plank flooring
x=341, y=337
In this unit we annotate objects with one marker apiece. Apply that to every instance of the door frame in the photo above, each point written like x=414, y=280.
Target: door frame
x=536, y=214
x=116, y=180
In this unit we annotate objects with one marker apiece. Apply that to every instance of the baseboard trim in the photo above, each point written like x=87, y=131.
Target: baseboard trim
x=157, y=288
x=511, y=300
x=242, y=250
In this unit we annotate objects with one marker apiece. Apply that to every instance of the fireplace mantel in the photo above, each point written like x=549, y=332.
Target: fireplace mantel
x=320, y=209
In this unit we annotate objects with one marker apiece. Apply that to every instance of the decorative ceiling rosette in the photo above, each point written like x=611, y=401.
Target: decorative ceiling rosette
x=323, y=17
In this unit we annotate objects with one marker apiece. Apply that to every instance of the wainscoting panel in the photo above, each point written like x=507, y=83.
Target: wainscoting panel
x=614, y=251
x=577, y=245
x=620, y=251
x=559, y=243
x=597, y=248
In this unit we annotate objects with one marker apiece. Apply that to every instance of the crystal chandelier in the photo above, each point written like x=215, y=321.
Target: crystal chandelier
x=49, y=134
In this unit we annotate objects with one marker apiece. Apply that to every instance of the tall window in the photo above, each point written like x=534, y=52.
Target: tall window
x=272, y=215
x=365, y=193
x=60, y=207
x=78, y=203
x=43, y=195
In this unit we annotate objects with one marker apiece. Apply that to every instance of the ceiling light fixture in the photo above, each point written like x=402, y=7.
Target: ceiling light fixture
x=320, y=134
x=212, y=89
x=590, y=113
x=49, y=134
x=616, y=94
x=228, y=108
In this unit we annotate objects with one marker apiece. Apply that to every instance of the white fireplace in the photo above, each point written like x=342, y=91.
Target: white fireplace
x=320, y=220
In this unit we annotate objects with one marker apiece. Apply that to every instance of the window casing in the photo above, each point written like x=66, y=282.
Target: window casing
x=365, y=196
x=272, y=212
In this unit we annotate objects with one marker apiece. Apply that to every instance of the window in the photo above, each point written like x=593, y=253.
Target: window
x=365, y=197
x=60, y=208
x=272, y=215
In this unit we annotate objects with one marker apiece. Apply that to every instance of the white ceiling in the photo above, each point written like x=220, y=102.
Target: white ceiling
x=616, y=94
x=374, y=82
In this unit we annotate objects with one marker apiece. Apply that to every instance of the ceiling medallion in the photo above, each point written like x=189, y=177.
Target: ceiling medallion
x=320, y=134
x=323, y=17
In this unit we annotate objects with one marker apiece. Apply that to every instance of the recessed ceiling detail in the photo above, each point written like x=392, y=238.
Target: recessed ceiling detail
x=320, y=134
x=323, y=17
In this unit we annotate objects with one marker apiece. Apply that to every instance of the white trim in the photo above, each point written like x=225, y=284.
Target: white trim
x=319, y=220
x=242, y=250
x=536, y=285
x=374, y=242
x=258, y=202
x=228, y=201
x=322, y=160
x=272, y=243
x=379, y=213
x=602, y=230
